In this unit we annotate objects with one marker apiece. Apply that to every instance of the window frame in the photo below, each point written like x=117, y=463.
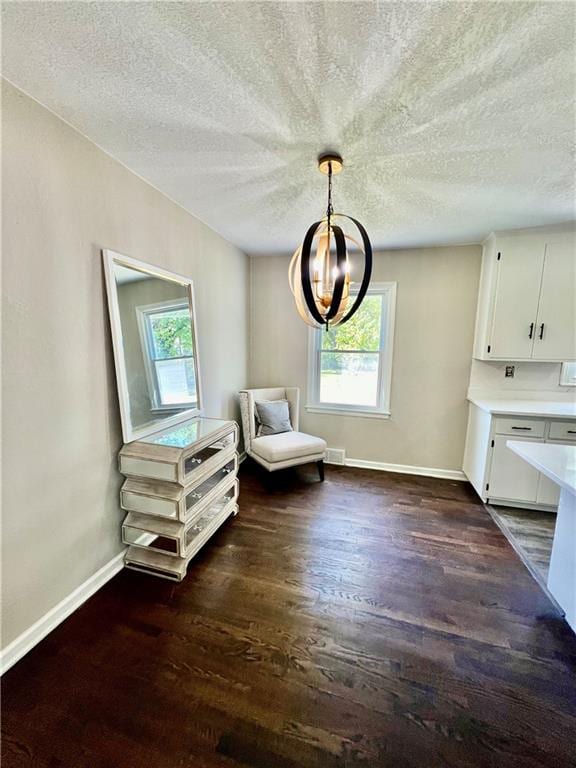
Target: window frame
x=143, y=314
x=386, y=353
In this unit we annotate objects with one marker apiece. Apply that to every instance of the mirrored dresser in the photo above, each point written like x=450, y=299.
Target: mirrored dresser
x=181, y=486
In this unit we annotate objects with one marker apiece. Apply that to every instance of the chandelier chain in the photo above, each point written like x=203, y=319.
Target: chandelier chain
x=329, y=209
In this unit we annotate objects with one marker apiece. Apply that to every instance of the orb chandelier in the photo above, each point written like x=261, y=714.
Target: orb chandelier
x=321, y=284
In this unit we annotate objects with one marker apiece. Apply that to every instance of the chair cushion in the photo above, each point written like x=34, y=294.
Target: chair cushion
x=286, y=446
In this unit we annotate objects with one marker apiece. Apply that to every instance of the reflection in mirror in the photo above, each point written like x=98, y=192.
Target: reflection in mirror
x=155, y=347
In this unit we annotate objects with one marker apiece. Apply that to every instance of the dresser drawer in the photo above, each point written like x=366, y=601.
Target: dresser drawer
x=183, y=454
x=519, y=426
x=209, y=487
x=205, y=460
x=158, y=563
x=174, y=538
x=206, y=523
x=174, y=502
x=563, y=430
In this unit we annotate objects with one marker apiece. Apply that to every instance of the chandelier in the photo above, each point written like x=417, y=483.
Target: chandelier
x=321, y=284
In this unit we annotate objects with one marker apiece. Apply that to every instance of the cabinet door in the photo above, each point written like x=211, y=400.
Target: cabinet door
x=510, y=476
x=555, y=337
x=548, y=491
x=516, y=302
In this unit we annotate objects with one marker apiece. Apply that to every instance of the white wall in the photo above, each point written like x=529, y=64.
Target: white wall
x=65, y=199
x=436, y=306
x=537, y=379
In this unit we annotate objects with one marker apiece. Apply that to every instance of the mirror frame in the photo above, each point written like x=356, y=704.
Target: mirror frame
x=129, y=431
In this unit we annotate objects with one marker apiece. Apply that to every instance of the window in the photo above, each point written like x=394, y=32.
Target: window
x=568, y=375
x=350, y=366
x=167, y=346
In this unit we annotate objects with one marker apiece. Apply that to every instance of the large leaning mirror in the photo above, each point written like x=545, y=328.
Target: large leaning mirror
x=155, y=348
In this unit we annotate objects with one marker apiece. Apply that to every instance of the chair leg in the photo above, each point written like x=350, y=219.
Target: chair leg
x=267, y=480
x=320, y=465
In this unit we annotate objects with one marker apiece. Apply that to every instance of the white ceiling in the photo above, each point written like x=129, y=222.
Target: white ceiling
x=454, y=118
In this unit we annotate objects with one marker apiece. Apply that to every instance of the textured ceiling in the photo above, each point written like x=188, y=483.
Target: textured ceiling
x=454, y=119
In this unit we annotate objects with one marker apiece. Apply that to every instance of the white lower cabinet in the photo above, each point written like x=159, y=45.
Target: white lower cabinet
x=497, y=473
x=510, y=476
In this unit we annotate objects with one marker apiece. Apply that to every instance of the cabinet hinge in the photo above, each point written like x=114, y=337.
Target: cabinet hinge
x=498, y=257
x=487, y=486
x=489, y=347
x=492, y=444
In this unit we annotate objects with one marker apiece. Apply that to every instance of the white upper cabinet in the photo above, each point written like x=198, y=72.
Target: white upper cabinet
x=556, y=323
x=527, y=297
x=518, y=281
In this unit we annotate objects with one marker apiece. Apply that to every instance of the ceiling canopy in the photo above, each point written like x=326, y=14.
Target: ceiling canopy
x=453, y=119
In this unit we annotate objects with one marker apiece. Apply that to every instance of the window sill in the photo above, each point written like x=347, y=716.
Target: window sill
x=160, y=409
x=174, y=409
x=364, y=414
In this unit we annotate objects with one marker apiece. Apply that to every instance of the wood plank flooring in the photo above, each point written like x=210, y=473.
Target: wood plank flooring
x=532, y=533
x=374, y=620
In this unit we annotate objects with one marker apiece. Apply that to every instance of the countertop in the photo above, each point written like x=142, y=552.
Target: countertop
x=546, y=408
x=558, y=462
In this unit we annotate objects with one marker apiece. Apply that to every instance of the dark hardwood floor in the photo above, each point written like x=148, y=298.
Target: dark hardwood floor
x=531, y=533
x=372, y=620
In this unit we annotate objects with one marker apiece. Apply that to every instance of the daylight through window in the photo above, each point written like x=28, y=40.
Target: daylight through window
x=169, y=354
x=350, y=364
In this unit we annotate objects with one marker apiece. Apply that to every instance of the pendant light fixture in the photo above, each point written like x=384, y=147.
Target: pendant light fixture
x=321, y=282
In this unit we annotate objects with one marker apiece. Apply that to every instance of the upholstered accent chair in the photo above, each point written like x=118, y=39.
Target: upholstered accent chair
x=287, y=449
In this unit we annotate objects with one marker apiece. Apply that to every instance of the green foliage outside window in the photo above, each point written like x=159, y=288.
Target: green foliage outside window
x=172, y=333
x=361, y=332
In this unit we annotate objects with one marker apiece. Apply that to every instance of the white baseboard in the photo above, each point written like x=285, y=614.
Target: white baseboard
x=38, y=631
x=406, y=469
x=521, y=504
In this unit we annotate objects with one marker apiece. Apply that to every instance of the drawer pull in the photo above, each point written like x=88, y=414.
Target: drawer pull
x=531, y=332
x=541, y=336
x=571, y=431
x=527, y=429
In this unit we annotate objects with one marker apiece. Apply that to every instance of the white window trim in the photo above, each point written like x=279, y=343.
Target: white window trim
x=382, y=410
x=142, y=313
x=567, y=379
